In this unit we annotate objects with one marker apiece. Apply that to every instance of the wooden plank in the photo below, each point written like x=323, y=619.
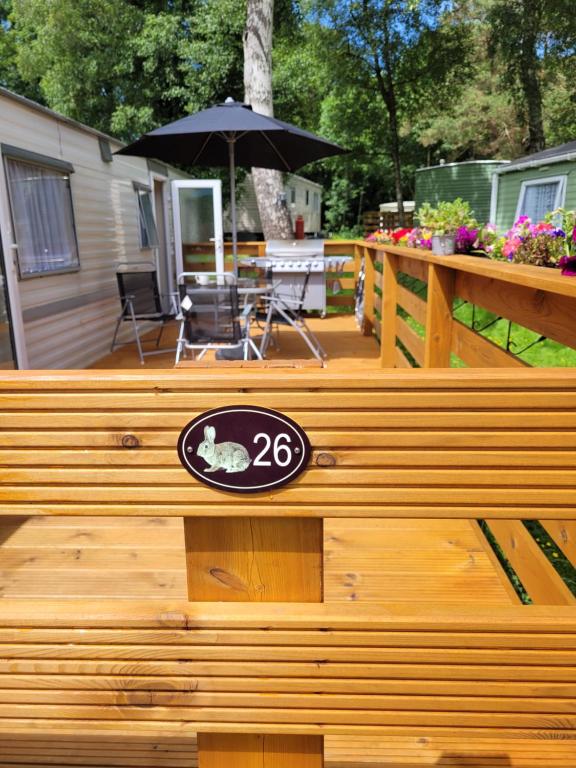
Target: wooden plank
x=132, y=614
x=254, y=559
x=564, y=534
x=477, y=351
x=262, y=560
x=550, y=314
x=415, y=562
x=504, y=580
x=548, y=280
x=267, y=720
x=388, y=321
x=286, y=637
x=548, y=443
x=368, y=319
x=411, y=340
x=369, y=687
x=413, y=268
x=532, y=380
x=317, y=476
x=259, y=751
x=401, y=361
x=99, y=729
x=346, y=456
x=412, y=304
x=538, y=576
x=311, y=670
x=348, y=702
x=302, y=400
x=438, y=340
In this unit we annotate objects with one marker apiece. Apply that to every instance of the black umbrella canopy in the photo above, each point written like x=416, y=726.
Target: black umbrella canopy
x=232, y=134
x=259, y=141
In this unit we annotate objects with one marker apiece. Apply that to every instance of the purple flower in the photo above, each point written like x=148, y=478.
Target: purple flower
x=568, y=265
x=465, y=239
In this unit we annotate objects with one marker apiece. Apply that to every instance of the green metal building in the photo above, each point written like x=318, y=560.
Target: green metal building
x=534, y=185
x=471, y=180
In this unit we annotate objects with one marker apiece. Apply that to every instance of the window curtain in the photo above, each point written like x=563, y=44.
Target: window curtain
x=43, y=218
x=540, y=199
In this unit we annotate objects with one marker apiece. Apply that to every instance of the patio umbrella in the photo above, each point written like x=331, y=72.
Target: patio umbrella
x=232, y=134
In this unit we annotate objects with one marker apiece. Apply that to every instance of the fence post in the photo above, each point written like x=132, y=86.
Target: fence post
x=368, y=322
x=388, y=311
x=255, y=559
x=439, y=320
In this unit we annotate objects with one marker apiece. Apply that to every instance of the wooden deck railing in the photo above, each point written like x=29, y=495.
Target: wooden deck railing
x=409, y=290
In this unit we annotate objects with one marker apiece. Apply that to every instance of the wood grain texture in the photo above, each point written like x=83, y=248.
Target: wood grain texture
x=388, y=312
x=564, y=534
x=259, y=751
x=439, y=317
x=534, y=570
x=61, y=444
x=419, y=560
x=254, y=559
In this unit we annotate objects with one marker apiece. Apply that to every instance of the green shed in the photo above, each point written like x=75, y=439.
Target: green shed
x=470, y=180
x=534, y=185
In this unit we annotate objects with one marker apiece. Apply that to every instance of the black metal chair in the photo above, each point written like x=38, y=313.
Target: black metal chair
x=211, y=317
x=141, y=302
x=283, y=309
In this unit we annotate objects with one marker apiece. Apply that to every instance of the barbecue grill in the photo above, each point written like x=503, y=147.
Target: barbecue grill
x=290, y=261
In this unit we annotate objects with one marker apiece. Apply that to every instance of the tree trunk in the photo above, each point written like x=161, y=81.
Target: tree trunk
x=268, y=184
x=529, y=76
x=388, y=94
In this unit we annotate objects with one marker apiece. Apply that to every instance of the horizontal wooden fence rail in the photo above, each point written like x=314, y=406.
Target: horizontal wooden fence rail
x=407, y=288
x=378, y=599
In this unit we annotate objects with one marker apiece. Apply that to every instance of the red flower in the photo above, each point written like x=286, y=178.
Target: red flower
x=398, y=234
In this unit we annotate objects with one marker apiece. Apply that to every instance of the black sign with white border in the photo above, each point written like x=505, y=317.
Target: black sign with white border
x=244, y=449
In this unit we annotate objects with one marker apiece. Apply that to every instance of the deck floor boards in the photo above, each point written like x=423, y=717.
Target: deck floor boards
x=406, y=560
x=344, y=344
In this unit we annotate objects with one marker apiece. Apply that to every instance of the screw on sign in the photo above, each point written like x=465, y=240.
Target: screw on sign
x=244, y=449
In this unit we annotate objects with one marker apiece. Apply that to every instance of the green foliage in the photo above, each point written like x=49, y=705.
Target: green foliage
x=447, y=217
x=530, y=38
x=400, y=83
x=126, y=67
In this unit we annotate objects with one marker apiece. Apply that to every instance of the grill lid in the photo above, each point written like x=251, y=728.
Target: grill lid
x=295, y=249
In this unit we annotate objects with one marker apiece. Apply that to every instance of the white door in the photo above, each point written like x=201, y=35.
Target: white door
x=198, y=232
x=7, y=346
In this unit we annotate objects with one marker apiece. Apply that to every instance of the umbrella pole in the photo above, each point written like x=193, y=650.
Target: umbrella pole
x=231, y=148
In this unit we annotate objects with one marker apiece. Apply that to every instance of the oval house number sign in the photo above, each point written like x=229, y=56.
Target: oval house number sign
x=244, y=449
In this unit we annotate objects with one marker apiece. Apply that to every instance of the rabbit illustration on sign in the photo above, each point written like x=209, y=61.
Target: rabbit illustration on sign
x=232, y=457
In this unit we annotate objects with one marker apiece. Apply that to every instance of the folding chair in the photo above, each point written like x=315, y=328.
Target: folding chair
x=211, y=317
x=141, y=301
x=282, y=309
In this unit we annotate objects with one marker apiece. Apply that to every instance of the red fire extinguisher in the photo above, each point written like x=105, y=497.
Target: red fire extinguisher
x=299, y=228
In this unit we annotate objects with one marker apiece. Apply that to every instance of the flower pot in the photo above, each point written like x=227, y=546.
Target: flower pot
x=443, y=245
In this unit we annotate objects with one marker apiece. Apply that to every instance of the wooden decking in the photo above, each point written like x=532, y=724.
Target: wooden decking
x=346, y=347
x=365, y=561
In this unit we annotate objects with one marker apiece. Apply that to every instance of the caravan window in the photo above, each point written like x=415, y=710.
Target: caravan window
x=539, y=197
x=148, y=232
x=43, y=219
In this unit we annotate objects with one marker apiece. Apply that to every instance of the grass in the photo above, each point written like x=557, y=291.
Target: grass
x=527, y=345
